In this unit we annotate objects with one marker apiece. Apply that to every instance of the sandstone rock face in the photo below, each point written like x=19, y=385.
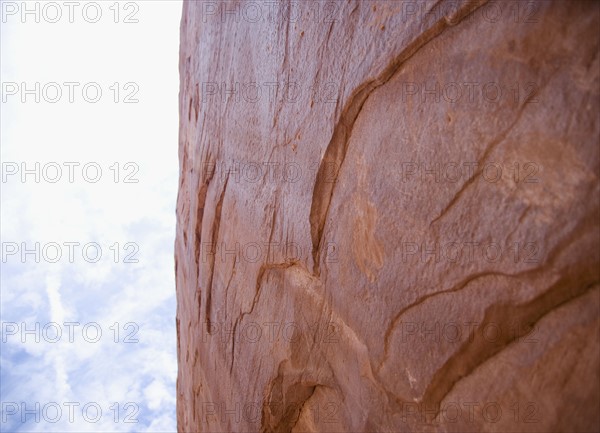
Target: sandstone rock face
x=388, y=217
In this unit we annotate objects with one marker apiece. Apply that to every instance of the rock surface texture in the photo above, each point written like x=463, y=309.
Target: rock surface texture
x=388, y=217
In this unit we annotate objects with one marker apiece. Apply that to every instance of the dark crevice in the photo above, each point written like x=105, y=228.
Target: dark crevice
x=336, y=150
x=512, y=322
x=212, y=255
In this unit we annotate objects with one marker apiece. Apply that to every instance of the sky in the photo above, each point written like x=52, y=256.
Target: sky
x=89, y=173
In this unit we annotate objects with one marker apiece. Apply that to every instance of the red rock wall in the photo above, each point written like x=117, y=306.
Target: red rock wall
x=388, y=217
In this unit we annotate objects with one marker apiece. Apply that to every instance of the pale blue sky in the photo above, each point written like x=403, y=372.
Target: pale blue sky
x=135, y=378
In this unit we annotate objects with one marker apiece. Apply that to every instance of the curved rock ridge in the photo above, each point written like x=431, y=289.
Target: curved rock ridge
x=389, y=216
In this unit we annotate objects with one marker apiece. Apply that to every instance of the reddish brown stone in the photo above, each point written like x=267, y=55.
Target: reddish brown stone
x=388, y=217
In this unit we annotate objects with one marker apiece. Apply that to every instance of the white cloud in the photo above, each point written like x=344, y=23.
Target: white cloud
x=109, y=371
x=157, y=394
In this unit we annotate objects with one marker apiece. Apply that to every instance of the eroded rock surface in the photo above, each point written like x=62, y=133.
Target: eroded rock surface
x=388, y=217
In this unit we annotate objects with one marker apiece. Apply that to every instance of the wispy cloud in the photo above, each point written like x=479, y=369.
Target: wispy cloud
x=129, y=370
